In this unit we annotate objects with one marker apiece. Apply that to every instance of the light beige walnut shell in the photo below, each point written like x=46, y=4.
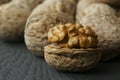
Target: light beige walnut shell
x=37, y=29
x=107, y=27
x=93, y=9
x=45, y=16
x=72, y=60
x=13, y=16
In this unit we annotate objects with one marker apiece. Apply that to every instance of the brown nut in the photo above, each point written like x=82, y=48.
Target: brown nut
x=56, y=34
x=107, y=27
x=73, y=42
x=84, y=42
x=76, y=51
x=76, y=35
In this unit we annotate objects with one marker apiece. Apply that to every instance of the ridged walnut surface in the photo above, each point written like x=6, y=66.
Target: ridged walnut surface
x=107, y=27
x=45, y=16
x=72, y=60
x=93, y=9
x=13, y=16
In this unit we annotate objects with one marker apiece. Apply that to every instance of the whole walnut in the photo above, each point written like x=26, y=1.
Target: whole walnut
x=73, y=48
x=13, y=17
x=45, y=16
x=93, y=9
x=107, y=27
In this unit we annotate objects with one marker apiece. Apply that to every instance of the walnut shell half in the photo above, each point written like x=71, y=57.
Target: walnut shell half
x=72, y=60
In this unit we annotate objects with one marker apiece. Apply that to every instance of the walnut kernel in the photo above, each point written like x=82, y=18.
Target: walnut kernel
x=76, y=35
x=56, y=34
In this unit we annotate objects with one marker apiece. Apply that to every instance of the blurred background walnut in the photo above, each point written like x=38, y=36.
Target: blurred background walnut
x=73, y=35
x=13, y=17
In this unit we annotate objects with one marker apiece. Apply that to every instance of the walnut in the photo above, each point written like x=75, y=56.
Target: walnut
x=74, y=48
x=76, y=35
x=13, y=17
x=72, y=60
x=107, y=27
x=44, y=17
x=56, y=34
x=73, y=42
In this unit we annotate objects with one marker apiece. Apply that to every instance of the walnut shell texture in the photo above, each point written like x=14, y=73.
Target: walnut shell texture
x=93, y=9
x=13, y=16
x=72, y=60
x=107, y=27
x=45, y=16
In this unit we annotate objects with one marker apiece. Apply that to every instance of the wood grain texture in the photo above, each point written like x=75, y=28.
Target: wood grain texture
x=17, y=63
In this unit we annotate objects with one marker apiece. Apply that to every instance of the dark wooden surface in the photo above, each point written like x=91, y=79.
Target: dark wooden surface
x=17, y=63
